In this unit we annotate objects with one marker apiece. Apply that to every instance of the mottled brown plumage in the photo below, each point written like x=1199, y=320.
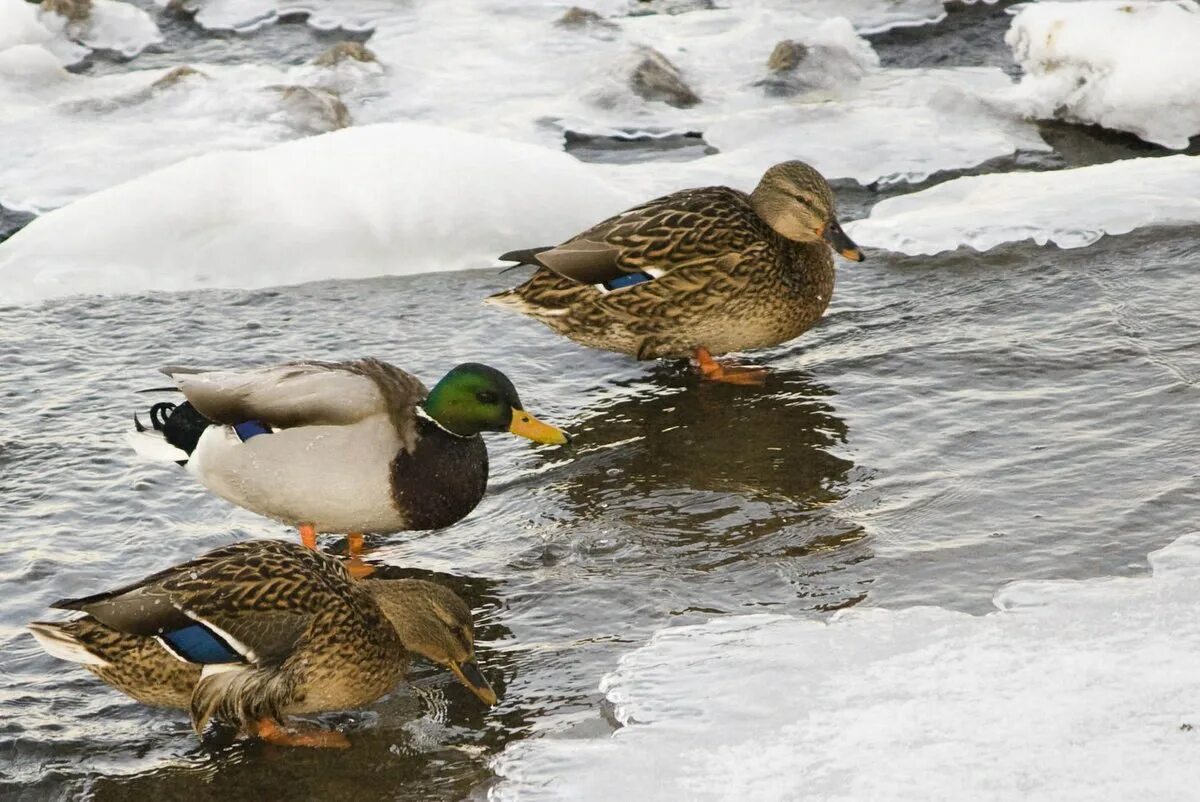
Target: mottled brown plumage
x=302, y=635
x=730, y=271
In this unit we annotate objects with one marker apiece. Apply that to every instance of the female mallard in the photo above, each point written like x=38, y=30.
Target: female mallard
x=254, y=632
x=347, y=447
x=696, y=273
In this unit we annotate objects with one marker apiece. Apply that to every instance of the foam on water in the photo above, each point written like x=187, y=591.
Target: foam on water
x=1131, y=66
x=1072, y=690
x=371, y=200
x=1071, y=208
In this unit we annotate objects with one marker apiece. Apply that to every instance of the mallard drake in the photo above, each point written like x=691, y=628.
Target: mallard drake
x=695, y=273
x=251, y=633
x=343, y=447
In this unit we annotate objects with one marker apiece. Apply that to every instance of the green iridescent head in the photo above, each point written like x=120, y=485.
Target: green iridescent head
x=474, y=398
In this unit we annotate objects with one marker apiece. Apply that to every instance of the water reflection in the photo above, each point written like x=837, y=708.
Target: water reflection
x=712, y=464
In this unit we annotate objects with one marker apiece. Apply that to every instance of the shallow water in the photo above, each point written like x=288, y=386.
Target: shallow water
x=954, y=423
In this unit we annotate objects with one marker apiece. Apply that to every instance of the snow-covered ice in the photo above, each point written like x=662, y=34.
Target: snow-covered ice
x=1129, y=65
x=868, y=16
x=364, y=201
x=895, y=125
x=109, y=25
x=542, y=80
x=65, y=135
x=68, y=135
x=1071, y=208
x=1072, y=690
x=325, y=15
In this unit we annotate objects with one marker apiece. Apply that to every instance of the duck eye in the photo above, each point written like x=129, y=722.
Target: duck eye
x=487, y=397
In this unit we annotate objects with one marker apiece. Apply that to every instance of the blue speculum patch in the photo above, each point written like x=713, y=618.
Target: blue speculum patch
x=627, y=281
x=251, y=428
x=198, y=644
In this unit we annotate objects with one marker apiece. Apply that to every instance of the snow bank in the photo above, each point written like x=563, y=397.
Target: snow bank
x=397, y=198
x=1073, y=690
x=1129, y=65
x=1071, y=208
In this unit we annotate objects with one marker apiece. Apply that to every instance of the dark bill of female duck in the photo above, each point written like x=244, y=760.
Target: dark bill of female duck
x=840, y=242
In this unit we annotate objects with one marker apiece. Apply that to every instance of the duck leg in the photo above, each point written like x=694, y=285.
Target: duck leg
x=358, y=568
x=308, y=536
x=271, y=732
x=712, y=370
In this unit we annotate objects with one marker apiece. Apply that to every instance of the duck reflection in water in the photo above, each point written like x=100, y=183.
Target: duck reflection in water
x=713, y=470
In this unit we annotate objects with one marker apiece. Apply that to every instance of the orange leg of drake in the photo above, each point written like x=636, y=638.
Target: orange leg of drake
x=354, y=548
x=712, y=370
x=308, y=535
x=272, y=733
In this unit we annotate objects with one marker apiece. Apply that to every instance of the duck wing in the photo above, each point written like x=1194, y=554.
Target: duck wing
x=692, y=228
x=249, y=603
x=304, y=393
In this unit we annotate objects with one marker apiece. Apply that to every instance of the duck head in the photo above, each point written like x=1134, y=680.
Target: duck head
x=434, y=622
x=474, y=398
x=797, y=202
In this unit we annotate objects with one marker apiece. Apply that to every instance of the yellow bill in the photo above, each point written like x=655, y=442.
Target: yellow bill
x=525, y=425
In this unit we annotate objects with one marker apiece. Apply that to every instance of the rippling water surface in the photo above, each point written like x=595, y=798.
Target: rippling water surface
x=954, y=423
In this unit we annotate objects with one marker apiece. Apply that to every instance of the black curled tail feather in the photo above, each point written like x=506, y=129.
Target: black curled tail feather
x=241, y=698
x=180, y=424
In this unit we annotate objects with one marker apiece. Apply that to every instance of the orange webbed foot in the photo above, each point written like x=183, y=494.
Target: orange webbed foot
x=272, y=733
x=712, y=370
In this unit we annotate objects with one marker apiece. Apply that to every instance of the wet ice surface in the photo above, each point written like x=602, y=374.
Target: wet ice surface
x=957, y=422
x=1048, y=698
x=1071, y=208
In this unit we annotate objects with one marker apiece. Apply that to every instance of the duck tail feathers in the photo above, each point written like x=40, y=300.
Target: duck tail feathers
x=172, y=433
x=58, y=642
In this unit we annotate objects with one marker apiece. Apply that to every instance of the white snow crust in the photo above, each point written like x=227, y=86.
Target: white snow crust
x=1072, y=690
x=111, y=25
x=1128, y=65
x=1070, y=208
x=364, y=201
